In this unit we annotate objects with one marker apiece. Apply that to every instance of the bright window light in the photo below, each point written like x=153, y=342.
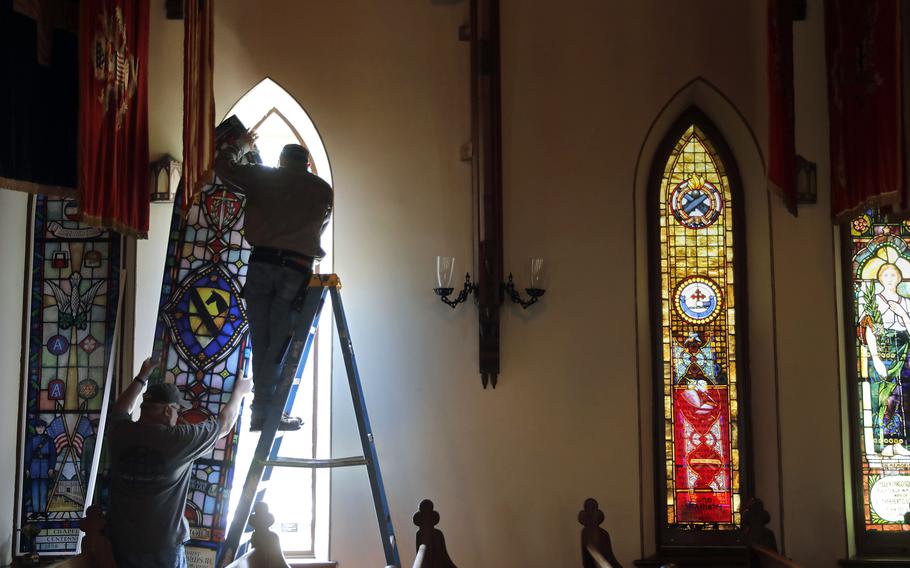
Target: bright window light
x=299, y=498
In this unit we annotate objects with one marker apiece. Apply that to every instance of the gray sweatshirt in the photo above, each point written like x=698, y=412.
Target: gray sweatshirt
x=287, y=208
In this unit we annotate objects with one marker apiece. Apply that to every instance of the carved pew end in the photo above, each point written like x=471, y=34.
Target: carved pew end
x=596, y=548
x=431, y=543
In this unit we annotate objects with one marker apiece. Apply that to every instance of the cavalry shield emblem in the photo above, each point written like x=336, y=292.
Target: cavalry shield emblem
x=206, y=317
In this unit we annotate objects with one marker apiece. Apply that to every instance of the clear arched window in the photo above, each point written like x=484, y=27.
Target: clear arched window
x=696, y=267
x=301, y=519
x=877, y=299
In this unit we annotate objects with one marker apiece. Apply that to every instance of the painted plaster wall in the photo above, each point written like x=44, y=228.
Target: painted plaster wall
x=807, y=329
x=387, y=86
x=13, y=217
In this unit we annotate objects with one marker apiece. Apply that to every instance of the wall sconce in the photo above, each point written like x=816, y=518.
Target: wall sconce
x=165, y=177
x=445, y=270
x=489, y=312
x=534, y=290
x=806, y=188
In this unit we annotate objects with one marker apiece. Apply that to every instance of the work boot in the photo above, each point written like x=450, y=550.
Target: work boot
x=287, y=424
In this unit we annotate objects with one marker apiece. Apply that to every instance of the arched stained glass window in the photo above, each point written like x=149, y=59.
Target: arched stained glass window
x=699, y=379
x=877, y=272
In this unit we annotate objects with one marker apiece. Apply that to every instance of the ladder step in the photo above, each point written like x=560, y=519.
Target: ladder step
x=313, y=463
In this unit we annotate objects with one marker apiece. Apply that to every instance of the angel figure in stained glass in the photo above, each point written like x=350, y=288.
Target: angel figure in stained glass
x=885, y=329
x=698, y=395
x=74, y=306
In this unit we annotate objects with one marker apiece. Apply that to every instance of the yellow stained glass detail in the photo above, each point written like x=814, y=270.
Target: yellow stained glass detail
x=698, y=319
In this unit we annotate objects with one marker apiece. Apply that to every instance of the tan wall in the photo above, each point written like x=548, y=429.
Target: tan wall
x=584, y=84
x=387, y=87
x=13, y=217
x=807, y=327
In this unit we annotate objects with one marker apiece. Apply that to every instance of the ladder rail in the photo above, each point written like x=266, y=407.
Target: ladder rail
x=383, y=513
x=292, y=382
x=267, y=448
x=297, y=348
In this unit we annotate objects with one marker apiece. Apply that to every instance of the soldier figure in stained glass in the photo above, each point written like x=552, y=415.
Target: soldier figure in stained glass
x=88, y=451
x=287, y=210
x=886, y=331
x=41, y=457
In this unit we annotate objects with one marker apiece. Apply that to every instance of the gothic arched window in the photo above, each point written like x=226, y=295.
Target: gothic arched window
x=698, y=318
x=299, y=498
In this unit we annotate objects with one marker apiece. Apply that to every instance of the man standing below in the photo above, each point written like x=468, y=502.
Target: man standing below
x=287, y=210
x=151, y=465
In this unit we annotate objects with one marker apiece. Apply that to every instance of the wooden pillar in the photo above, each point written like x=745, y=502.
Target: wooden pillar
x=486, y=143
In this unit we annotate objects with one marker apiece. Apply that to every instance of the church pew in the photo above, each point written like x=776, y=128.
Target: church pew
x=418, y=560
x=96, y=548
x=431, y=543
x=596, y=549
x=266, y=547
x=760, y=539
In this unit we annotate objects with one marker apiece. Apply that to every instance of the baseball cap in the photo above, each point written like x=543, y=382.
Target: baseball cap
x=166, y=393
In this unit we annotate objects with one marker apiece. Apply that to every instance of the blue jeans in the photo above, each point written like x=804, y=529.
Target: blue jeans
x=173, y=558
x=269, y=292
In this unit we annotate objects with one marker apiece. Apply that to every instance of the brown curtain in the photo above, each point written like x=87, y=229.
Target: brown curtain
x=781, y=116
x=198, y=97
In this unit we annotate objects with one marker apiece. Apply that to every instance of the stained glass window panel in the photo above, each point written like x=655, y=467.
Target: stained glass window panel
x=879, y=290
x=699, y=395
x=73, y=302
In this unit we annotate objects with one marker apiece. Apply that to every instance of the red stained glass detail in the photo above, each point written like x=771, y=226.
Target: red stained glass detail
x=697, y=506
x=702, y=453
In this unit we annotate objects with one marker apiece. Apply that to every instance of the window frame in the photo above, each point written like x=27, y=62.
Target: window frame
x=667, y=537
x=322, y=348
x=886, y=543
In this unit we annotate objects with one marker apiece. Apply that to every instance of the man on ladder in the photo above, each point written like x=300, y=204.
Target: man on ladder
x=287, y=210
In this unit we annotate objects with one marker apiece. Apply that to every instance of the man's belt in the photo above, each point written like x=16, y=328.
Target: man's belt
x=280, y=257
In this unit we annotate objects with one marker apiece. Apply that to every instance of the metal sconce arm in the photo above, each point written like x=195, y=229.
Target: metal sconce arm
x=444, y=293
x=515, y=296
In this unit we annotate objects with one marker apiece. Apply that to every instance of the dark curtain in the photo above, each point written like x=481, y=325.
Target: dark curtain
x=39, y=100
x=781, y=114
x=863, y=44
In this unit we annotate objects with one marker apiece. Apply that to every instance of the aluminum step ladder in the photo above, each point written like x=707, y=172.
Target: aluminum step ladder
x=266, y=456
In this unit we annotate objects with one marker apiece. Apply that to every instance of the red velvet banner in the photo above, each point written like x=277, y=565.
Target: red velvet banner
x=113, y=115
x=781, y=114
x=864, y=104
